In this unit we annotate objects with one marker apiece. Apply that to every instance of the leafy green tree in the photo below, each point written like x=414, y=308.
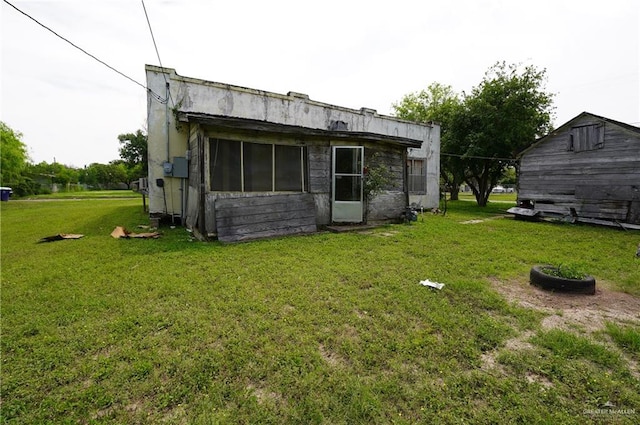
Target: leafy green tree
x=54, y=173
x=438, y=103
x=509, y=176
x=13, y=156
x=133, y=152
x=103, y=176
x=126, y=173
x=506, y=113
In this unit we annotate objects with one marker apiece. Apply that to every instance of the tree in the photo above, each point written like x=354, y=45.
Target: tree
x=438, y=103
x=104, y=176
x=13, y=156
x=134, y=152
x=125, y=173
x=506, y=113
x=54, y=173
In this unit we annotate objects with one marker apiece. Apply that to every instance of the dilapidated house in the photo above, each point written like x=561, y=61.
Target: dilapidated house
x=588, y=169
x=236, y=163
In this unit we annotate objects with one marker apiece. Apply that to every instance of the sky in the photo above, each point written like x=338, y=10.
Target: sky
x=71, y=108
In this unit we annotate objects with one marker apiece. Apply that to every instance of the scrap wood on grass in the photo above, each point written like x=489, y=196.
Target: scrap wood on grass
x=121, y=233
x=59, y=237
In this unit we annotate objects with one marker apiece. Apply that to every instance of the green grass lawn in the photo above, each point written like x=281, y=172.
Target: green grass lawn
x=495, y=197
x=87, y=194
x=320, y=329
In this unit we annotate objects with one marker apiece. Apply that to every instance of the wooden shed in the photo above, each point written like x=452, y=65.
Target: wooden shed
x=588, y=170
x=235, y=163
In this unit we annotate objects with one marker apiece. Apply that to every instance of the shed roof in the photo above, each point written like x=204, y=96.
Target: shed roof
x=541, y=140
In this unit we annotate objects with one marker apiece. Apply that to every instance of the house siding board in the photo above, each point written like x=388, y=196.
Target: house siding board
x=601, y=183
x=392, y=159
x=193, y=179
x=387, y=206
x=319, y=166
x=245, y=218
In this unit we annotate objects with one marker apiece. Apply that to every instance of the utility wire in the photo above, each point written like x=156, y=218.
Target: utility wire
x=158, y=97
x=156, y=47
x=476, y=157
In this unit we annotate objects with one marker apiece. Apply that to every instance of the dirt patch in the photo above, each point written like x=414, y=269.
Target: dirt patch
x=539, y=379
x=332, y=358
x=264, y=395
x=476, y=221
x=570, y=312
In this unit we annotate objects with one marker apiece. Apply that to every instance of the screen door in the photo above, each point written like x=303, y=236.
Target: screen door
x=347, y=202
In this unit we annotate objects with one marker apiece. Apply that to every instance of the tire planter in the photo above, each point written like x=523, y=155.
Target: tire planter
x=538, y=278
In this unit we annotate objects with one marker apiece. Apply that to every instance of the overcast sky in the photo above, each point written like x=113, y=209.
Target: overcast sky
x=349, y=53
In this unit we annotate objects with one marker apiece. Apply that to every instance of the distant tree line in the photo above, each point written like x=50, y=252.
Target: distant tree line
x=26, y=178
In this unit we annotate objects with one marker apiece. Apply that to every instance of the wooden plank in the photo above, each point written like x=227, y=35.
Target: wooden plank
x=254, y=217
x=236, y=220
x=277, y=226
x=260, y=200
x=608, y=192
x=633, y=215
x=271, y=234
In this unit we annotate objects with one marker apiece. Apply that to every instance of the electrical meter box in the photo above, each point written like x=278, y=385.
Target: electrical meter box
x=180, y=167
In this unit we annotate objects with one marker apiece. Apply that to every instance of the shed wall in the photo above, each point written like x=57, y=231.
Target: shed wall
x=601, y=183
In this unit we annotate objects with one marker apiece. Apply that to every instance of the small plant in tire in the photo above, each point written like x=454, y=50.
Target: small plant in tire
x=563, y=271
x=562, y=278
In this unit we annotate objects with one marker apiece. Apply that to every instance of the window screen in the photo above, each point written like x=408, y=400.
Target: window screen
x=417, y=172
x=258, y=166
x=289, y=168
x=225, y=165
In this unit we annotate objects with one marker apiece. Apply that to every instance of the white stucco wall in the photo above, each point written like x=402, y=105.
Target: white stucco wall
x=429, y=151
x=206, y=97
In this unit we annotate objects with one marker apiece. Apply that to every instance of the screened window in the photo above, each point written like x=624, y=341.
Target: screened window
x=226, y=163
x=256, y=167
x=586, y=138
x=289, y=170
x=417, y=175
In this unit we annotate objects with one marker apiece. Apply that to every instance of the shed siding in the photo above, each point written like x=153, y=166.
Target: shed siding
x=600, y=183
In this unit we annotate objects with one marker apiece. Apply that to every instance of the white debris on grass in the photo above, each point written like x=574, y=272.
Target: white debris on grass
x=431, y=284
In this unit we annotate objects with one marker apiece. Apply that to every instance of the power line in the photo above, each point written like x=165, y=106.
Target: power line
x=158, y=97
x=477, y=157
x=156, y=47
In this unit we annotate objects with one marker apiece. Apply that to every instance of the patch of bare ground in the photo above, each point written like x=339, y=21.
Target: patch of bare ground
x=476, y=221
x=571, y=311
x=587, y=314
x=332, y=358
x=263, y=395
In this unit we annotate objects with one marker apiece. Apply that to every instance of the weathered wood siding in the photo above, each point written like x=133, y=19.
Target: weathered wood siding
x=319, y=166
x=601, y=183
x=246, y=218
x=194, y=179
x=390, y=204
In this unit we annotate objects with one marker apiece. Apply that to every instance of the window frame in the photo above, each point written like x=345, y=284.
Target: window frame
x=593, y=134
